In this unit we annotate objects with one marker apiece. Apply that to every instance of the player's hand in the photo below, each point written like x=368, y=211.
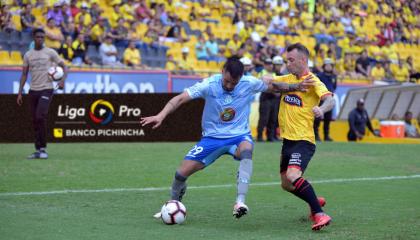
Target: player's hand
x=306, y=84
x=155, y=120
x=318, y=112
x=61, y=85
x=267, y=79
x=19, y=100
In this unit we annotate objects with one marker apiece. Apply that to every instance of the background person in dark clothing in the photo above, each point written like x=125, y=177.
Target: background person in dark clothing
x=358, y=120
x=329, y=78
x=269, y=106
x=363, y=64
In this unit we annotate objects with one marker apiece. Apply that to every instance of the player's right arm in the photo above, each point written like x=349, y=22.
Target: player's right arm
x=23, y=78
x=170, y=107
x=281, y=86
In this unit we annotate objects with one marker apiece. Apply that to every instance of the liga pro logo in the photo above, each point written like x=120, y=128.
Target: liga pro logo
x=101, y=112
x=293, y=99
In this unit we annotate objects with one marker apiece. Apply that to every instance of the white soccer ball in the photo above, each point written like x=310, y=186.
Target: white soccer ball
x=173, y=212
x=55, y=73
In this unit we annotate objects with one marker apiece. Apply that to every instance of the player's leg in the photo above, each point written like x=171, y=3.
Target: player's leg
x=298, y=157
x=244, y=154
x=200, y=156
x=41, y=120
x=317, y=122
x=272, y=118
x=179, y=185
x=327, y=121
x=263, y=109
x=34, y=99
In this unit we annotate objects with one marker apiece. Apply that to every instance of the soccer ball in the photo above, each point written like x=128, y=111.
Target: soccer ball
x=173, y=212
x=55, y=73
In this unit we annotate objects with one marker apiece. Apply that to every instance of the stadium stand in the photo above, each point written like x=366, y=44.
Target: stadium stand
x=337, y=29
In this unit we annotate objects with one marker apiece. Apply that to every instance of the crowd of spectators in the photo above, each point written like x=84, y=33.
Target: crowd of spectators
x=373, y=39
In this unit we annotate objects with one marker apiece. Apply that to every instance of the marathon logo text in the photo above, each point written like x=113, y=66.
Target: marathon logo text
x=293, y=99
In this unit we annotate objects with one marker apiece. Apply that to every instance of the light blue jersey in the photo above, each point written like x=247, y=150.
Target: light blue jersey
x=226, y=114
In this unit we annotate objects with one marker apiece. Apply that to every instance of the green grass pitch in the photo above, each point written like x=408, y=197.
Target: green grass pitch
x=136, y=178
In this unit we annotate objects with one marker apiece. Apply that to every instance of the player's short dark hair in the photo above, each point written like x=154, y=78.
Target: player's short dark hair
x=234, y=67
x=299, y=47
x=37, y=30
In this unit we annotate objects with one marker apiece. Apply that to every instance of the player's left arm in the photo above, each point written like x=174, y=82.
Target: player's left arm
x=169, y=108
x=60, y=63
x=326, y=106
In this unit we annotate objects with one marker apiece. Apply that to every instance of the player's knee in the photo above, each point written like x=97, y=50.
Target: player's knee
x=292, y=175
x=245, y=154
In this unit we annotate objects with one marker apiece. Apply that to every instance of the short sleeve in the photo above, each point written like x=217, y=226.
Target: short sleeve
x=199, y=90
x=283, y=79
x=321, y=89
x=257, y=85
x=54, y=57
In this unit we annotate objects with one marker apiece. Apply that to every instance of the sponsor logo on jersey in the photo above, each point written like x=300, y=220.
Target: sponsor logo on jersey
x=293, y=99
x=228, y=114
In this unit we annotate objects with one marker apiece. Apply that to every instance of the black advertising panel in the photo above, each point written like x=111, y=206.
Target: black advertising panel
x=101, y=118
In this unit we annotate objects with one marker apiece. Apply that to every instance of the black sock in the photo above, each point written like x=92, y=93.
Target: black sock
x=304, y=191
x=178, y=187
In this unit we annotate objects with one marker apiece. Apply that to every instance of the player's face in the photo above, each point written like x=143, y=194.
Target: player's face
x=296, y=62
x=229, y=83
x=39, y=39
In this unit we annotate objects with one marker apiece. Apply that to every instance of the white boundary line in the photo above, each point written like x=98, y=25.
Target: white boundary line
x=152, y=189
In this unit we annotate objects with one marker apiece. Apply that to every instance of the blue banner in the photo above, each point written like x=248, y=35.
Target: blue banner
x=96, y=82
x=179, y=83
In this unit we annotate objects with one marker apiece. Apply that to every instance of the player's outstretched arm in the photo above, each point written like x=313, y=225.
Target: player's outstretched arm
x=170, y=107
x=281, y=87
x=327, y=105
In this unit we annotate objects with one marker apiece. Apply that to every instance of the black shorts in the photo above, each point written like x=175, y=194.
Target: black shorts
x=296, y=154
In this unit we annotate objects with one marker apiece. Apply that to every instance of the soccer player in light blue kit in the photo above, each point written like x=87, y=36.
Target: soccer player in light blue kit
x=225, y=124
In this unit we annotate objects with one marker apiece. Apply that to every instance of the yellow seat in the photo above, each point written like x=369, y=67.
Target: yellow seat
x=202, y=65
x=213, y=66
x=16, y=58
x=4, y=58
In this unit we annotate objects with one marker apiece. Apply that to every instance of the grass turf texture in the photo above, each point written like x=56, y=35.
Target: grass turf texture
x=385, y=209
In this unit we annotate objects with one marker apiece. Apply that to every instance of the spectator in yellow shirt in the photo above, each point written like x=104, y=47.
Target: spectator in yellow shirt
x=114, y=16
x=400, y=72
x=185, y=65
x=53, y=35
x=171, y=64
x=131, y=56
x=79, y=48
x=83, y=16
x=65, y=51
x=233, y=46
x=306, y=17
x=97, y=33
x=377, y=72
